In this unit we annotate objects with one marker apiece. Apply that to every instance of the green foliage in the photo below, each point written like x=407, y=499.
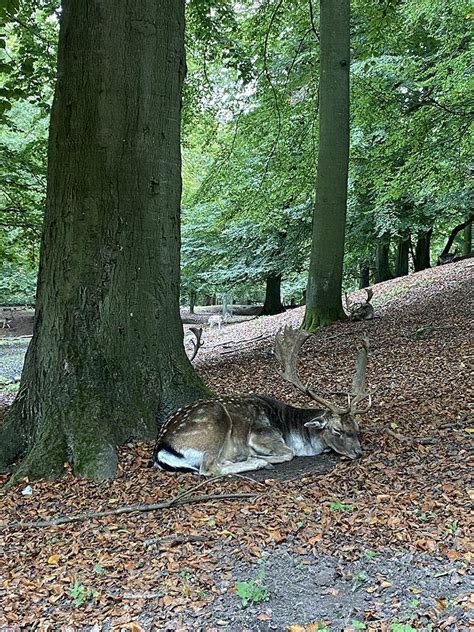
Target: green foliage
x=338, y=506
x=358, y=580
x=17, y=283
x=81, y=595
x=250, y=136
x=253, y=591
x=401, y=627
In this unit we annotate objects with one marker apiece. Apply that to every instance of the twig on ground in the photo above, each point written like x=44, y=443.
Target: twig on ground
x=240, y=342
x=174, y=502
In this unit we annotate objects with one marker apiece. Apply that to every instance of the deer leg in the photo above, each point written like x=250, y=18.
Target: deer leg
x=278, y=458
x=269, y=445
x=242, y=466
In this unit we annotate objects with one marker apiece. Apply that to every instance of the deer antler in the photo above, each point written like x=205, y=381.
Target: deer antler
x=348, y=307
x=359, y=387
x=288, y=343
x=197, y=344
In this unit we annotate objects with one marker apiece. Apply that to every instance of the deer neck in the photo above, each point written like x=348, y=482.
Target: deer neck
x=289, y=419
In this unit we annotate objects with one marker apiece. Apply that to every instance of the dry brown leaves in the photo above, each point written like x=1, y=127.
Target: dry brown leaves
x=400, y=494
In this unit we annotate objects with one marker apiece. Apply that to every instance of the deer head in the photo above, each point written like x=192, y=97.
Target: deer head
x=361, y=310
x=338, y=425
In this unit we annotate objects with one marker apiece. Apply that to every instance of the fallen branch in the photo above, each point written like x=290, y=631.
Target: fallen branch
x=174, y=502
x=239, y=342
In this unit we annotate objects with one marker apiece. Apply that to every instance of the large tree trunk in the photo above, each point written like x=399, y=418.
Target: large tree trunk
x=323, y=300
x=106, y=359
x=382, y=260
x=403, y=252
x=273, y=304
x=422, y=250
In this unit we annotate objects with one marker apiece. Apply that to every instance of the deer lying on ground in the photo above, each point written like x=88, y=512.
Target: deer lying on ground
x=361, y=310
x=229, y=435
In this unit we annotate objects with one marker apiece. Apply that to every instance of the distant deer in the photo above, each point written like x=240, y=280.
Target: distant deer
x=215, y=321
x=6, y=320
x=229, y=435
x=361, y=310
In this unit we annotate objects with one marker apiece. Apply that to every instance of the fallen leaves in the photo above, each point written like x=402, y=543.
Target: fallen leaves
x=398, y=495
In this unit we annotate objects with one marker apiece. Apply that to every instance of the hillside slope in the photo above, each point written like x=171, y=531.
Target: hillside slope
x=381, y=540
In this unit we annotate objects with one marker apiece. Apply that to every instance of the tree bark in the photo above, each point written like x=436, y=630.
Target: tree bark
x=453, y=234
x=382, y=260
x=364, y=275
x=107, y=359
x=467, y=241
x=422, y=250
x=273, y=304
x=403, y=252
x=323, y=300
x=192, y=301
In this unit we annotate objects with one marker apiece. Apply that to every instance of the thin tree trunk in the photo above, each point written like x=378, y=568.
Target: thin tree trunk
x=453, y=234
x=467, y=242
x=422, y=250
x=323, y=300
x=107, y=358
x=273, y=304
x=364, y=275
x=192, y=301
x=403, y=252
x=382, y=260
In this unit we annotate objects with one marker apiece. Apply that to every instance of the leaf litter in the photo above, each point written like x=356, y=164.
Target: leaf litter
x=399, y=556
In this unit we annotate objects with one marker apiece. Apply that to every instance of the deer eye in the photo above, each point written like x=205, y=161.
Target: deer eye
x=337, y=432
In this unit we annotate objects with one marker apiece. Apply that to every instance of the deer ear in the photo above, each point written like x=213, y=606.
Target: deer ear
x=317, y=423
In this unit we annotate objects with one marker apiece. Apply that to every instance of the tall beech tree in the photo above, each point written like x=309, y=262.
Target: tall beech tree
x=323, y=295
x=106, y=356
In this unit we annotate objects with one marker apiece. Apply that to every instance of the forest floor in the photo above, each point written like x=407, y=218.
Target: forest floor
x=383, y=543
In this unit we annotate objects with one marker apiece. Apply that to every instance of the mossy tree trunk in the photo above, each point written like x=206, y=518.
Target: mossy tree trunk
x=323, y=297
x=106, y=359
x=273, y=304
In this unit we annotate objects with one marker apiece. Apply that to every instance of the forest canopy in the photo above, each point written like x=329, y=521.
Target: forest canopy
x=250, y=141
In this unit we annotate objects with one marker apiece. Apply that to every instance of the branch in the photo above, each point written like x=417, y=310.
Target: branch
x=29, y=28
x=174, y=502
x=275, y=96
x=453, y=234
x=437, y=104
x=311, y=18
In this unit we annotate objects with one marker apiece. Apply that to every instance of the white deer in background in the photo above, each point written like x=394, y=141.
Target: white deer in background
x=215, y=320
